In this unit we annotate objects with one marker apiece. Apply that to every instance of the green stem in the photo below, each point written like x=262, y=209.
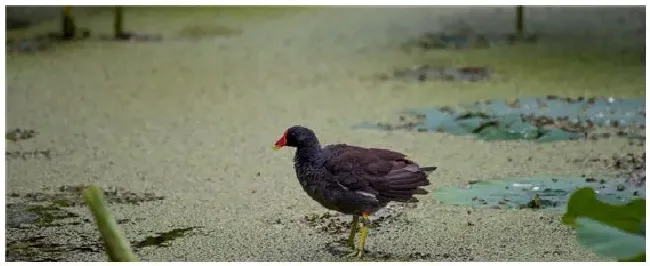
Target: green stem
x=68, y=27
x=520, y=21
x=118, y=22
x=117, y=248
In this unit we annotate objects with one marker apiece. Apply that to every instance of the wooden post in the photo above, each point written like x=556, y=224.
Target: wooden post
x=67, y=24
x=118, y=29
x=520, y=21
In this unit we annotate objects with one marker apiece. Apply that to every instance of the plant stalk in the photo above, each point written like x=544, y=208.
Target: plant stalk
x=116, y=246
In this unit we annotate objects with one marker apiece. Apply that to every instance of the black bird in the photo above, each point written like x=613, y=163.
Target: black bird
x=353, y=180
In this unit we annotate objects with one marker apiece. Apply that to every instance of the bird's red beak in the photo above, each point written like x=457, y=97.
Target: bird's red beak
x=281, y=142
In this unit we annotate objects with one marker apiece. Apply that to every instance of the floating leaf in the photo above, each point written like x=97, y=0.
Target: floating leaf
x=640, y=257
x=516, y=193
x=583, y=203
x=540, y=119
x=609, y=241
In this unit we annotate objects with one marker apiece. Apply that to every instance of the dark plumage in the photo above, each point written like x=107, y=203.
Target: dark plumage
x=350, y=179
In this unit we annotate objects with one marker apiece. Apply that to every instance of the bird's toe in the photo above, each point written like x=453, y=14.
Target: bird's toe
x=358, y=253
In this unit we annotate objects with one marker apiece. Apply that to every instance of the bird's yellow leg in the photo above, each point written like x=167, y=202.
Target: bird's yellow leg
x=364, y=233
x=362, y=239
x=353, y=231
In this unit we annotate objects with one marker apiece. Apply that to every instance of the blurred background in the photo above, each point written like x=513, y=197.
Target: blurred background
x=173, y=111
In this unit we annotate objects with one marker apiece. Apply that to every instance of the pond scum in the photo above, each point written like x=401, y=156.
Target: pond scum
x=38, y=211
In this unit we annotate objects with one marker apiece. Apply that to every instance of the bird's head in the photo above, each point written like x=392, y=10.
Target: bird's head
x=295, y=136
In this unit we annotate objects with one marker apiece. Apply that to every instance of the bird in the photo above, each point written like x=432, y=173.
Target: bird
x=354, y=180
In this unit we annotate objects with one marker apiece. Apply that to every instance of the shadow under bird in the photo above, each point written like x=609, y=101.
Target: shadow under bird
x=353, y=180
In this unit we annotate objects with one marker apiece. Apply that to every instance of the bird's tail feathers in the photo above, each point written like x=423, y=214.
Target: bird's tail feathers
x=428, y=169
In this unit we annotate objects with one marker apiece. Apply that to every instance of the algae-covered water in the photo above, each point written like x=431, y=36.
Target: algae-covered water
x=180, y=128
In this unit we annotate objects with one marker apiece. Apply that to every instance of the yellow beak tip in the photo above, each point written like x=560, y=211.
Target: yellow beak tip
x=275, y=148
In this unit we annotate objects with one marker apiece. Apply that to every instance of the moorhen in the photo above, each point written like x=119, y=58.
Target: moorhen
x=353, y=180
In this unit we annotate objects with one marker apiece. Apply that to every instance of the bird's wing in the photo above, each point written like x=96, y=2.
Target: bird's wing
x=381, y=172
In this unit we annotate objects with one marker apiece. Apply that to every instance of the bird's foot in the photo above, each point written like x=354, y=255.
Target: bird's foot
x=356, y=254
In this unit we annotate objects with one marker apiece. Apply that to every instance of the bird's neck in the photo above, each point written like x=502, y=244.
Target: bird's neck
x=309, y=152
